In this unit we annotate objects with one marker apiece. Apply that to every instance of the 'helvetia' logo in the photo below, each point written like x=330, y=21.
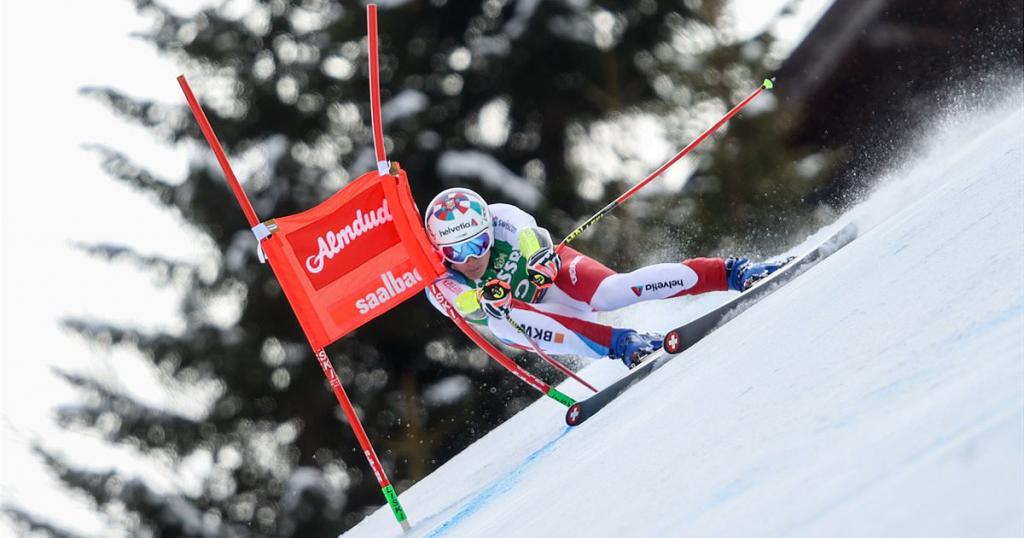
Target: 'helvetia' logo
x=392, y=287
x=639, y=290
x=457, y=228
x=332, y=243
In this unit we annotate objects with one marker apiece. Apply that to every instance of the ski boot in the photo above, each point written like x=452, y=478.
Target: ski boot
x=631, y=347
x=742, y=274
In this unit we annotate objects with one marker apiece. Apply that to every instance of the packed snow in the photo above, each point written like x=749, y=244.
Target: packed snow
x=879, y=394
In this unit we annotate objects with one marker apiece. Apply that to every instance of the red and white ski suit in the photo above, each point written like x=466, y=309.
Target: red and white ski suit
x=562, y=321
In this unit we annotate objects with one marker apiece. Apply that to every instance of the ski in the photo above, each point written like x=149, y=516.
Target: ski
x=682, y=338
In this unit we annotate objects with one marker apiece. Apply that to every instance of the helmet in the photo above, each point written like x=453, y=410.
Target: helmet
x=459, y=225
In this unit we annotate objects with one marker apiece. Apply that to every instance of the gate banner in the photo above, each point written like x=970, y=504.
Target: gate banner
x=352, y=258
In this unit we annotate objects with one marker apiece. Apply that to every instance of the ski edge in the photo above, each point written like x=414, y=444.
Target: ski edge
x=675, y=341
x=582, y=410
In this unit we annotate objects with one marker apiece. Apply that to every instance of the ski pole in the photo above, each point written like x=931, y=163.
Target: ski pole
x=496, y=290
x=766, y=85
x=243, y=200
x=536, y=347
x=496, y=354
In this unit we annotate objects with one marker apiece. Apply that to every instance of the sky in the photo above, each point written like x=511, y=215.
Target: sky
x=53, y=194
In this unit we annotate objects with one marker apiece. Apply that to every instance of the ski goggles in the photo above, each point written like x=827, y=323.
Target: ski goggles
x=472, y=248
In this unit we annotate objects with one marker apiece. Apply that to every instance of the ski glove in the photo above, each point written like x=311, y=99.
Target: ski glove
x=495, y=298
x=543, y=262
x=542, y=267
x=469, y=306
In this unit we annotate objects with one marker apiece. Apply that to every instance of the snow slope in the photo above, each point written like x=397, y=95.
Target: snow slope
x=879, y=394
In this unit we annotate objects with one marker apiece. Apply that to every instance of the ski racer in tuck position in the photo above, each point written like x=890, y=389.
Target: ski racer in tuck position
x=495, y=254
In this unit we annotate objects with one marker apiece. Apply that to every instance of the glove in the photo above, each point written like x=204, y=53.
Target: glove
x=495, y=298
x=542, y=267
x=543, y=262
x=468, y=305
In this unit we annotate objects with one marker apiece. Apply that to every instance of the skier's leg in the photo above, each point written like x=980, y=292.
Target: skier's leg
x=588, y=281
x=661, y=281
x=742, y=274
x=558, y=301
x=579, y=277
x=560, y=334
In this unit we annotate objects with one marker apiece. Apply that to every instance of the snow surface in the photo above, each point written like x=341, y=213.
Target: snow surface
x=879, y=394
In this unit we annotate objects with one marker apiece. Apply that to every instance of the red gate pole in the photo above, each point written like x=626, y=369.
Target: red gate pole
x=547, y=358
x=325, y=363
x=496, y=354
x=383, y=167
x=218, y=151
x=364, y=442
x=375, y=117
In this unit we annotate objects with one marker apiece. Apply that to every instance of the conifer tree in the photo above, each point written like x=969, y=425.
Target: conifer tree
x=480, y=94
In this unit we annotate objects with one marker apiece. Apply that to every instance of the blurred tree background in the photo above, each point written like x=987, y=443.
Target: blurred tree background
x=555, y=106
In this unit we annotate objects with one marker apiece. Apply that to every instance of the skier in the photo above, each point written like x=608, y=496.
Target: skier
x=502, y=265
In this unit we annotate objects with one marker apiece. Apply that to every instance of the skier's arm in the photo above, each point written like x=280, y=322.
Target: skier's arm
x=552, y=333
x=543, y=262
x=456, y=292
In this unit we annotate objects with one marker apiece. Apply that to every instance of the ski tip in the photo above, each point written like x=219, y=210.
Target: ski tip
x=768, y=83
x=574, y=415
x=673, y=342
